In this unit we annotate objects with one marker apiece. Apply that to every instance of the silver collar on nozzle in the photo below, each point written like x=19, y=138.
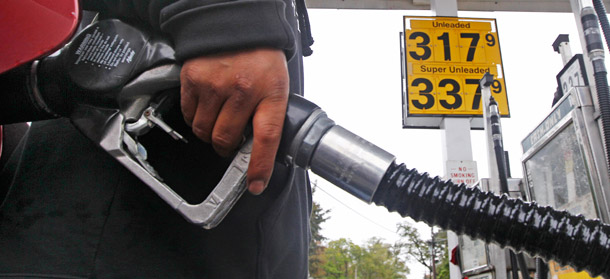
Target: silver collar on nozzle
x=339, y=156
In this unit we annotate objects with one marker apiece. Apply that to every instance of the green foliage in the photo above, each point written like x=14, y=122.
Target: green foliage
x=442, y=270
x=376, y=260
x=342, y=259
x=339, y=258
x=442, y=255
x=381, y=260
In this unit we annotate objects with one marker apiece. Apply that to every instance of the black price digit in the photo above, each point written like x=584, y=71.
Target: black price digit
x=491, y=40
x=496, y=86
x=473, y=44
x=425, y=92
x=476, y=101
x=447, y=47
x=454, y=92
x=425, y=40
x=577, y=78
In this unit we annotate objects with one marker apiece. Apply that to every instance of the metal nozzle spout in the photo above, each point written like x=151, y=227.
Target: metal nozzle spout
x=350, y=162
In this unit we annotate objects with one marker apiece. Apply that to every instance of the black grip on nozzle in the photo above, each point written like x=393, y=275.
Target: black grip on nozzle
x=15, y=103
x=92, y=69
x=54, y=85
x=34, y=91
x=297, y=112
x=537, y=230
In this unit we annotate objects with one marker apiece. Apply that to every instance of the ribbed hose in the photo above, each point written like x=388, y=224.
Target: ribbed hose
x=537, y=230
x=516, y=259
x=595, y=49
x=603, y=99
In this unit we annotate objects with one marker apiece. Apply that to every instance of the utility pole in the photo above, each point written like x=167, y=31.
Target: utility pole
x=432, y=254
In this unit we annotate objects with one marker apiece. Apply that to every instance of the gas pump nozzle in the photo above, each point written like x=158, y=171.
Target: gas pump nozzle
x=331, y=151
x=113, y=109
x=112, y=131
x=310, y=140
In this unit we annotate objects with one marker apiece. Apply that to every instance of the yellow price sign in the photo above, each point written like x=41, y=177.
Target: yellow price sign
x=445, y=58
x=567, y=272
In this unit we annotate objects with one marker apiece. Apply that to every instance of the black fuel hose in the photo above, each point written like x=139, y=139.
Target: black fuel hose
x=595, y=49
x=538, y=230
x=496, y=134
x=516, y=259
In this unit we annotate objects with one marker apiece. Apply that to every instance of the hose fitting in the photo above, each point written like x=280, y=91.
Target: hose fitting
x=593, y=38
x=332, y=152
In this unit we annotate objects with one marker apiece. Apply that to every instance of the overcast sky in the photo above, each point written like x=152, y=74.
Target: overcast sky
x=354, y=75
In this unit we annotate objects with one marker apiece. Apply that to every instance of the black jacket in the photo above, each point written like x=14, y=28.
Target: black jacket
x=202, y=27
x=73, y=212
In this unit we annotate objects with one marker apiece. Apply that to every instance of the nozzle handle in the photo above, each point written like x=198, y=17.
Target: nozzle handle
x=107, y=128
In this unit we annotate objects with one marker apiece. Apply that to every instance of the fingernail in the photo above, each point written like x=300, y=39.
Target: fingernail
x=256, y=187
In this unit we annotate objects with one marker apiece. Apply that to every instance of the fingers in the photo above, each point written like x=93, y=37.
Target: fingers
x=221, y=93
x=267, y=125
x=228, y=131
x=200, y=101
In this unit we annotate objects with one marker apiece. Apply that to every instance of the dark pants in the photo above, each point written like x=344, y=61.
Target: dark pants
x=74, y=212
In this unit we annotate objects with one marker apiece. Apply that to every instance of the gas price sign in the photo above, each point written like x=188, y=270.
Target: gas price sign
x=445, y=58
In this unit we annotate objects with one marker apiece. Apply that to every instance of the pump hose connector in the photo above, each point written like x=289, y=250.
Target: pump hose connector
x=538, y=230
x=593, y=38
x=595, y=50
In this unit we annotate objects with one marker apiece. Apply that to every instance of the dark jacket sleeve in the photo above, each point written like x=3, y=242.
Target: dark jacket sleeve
x=199, y=27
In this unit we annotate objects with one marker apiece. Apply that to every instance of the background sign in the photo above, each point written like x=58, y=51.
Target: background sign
x=559, y=112
x=462, y=172
x=445, y=58
x=573, y=74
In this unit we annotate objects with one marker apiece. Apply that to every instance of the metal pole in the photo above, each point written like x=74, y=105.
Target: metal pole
x=457, y=142
x=432, y=254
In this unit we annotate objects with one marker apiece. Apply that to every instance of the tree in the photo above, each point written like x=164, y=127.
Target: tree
x=442, y=269
x=339, y=258
x=318, y=216
x=376, y=260
x=413, y=247
x=316, y=249
x=381, y=260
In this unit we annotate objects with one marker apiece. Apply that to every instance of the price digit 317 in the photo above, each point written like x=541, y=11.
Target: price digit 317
x=423, y=49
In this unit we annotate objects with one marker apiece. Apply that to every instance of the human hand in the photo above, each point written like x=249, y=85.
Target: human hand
x=220, y=94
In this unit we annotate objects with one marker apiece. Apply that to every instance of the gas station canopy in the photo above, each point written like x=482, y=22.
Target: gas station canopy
x=463, y=5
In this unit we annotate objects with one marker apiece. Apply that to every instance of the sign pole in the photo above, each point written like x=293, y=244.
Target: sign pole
x=456, y=140
x=444, y=60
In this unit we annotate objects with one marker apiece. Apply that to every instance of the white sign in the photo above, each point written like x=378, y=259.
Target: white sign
x=462, y=172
